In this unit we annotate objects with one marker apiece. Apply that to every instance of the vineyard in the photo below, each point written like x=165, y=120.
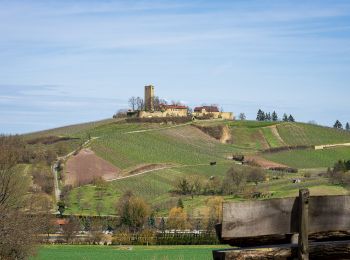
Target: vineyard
x=187, y=151
x=310, y=158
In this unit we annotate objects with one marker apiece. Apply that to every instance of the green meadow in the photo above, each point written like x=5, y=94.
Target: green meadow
x=73, y=252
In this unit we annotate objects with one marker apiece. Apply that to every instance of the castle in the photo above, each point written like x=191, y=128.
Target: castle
x=164, y=110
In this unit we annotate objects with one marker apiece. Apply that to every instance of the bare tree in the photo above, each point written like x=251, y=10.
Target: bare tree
x=140, y=104
x=18, y=230
x=70, y=229
x=132, y=102
x=242, y=116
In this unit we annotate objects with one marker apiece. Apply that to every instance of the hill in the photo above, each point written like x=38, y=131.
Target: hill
x=151, y=159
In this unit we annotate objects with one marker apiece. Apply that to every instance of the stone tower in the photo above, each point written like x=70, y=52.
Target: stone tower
x=149, y=97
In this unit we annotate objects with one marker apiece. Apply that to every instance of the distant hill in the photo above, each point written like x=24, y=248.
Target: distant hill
x=156, y=156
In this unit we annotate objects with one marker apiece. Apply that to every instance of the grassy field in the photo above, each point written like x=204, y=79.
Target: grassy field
x=127, y=253
x=307, y=134
x=310, y=158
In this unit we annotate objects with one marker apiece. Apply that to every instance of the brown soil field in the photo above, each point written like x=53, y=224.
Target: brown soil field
x=85, y=166
x=263, y=163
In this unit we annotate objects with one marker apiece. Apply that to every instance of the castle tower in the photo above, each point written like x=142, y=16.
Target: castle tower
x=149, y=98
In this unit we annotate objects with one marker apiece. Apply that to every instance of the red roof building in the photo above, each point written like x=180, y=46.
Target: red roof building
x=207, y=109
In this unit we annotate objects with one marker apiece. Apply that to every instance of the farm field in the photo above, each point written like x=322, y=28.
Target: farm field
x=310, y=158
x=123, y=253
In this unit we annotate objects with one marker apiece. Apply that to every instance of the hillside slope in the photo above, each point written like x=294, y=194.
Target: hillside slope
x=189, y=151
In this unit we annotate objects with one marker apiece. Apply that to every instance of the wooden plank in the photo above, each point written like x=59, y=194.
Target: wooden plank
x=329, y=213
x=259, y=218
x=303, y=240
x=280, y=216
x=318, y=250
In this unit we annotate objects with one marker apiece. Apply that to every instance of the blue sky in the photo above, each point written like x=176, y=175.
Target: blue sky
x=65, y=62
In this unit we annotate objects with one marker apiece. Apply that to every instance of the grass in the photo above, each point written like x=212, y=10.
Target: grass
x=306, y=134
x=310, y=158
x=125, y=253
x=155, y=187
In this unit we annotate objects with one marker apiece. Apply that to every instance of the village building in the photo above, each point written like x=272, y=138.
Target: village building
x=154, y=109
x=211, y=112
x=163, y=110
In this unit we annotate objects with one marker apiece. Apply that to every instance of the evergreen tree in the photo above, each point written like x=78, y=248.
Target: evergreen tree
x=268, y=116
x=291, y=118
x=180, y=204
x=162, y=225
x=347, y=127
x=260, y=116
x=274, y=116
x=338, y=125
x=285, y=117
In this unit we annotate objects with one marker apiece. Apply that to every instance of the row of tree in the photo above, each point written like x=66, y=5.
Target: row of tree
x=234, y=182
x=339, y=125
x=138, y=103
x=136, y=214
x=262, y=116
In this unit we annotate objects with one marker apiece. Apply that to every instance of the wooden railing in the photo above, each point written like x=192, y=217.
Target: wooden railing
x=283, y=228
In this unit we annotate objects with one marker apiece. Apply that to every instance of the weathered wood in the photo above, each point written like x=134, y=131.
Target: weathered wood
x=329, y=213
x=259, y=218
x=303, y=239
x=319, y=250
x=280, y=216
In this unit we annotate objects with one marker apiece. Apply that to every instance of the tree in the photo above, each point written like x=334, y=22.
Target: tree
x=133, y=211
x=242, y=116
x=19, y=231
x=274, y=116
x=260, y=115
x=133, y=103
x=291, y=118
x=338, y=125
x=177, y=219
x=268, y=117
x=61, y=207
x=256, y=175
x=180, y=204
x=162, y=225
x=70, y=229
x=347, y=127
x=234, y=181
x=140, y=104
x=285, y=117
x=214, y=212
x=184, y=186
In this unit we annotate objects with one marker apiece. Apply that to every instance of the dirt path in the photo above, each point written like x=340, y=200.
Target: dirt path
x=226, y=135
x=161, y=168
x=275, y=132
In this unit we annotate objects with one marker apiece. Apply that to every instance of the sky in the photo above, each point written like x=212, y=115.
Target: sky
x=65, y=62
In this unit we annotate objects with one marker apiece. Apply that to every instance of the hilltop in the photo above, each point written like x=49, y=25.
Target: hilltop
x=150, y=158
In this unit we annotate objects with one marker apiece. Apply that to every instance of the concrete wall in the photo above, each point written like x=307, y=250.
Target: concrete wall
x=166, y=113
x=215, y=115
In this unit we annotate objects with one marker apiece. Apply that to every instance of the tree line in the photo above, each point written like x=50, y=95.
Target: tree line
x=267, y=116
x=339, y=125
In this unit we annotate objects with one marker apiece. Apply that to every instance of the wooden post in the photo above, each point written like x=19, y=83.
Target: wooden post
x=303, y=240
